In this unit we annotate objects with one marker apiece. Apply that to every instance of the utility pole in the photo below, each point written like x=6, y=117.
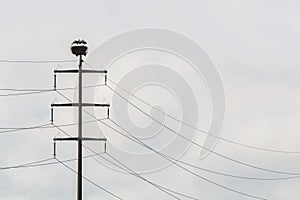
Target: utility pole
x=79, y=49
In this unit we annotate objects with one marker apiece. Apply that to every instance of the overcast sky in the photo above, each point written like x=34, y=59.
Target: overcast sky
x=253, y=43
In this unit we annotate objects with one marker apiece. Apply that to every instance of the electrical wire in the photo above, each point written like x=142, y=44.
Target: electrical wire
x=25, y=128
x=136, y=140
x=43, y=126
x=48, y=90
x=23, y=92
x=163, y=189
x=203, y=131
x=221, y=155
x=109, y=161
x=37, y=91
x=63, y=131
x=128, y=170
x=26, y=164
x=35, y=164
x=135, y=174
x=89, y=65
x=203, y=178
x=138, y=176
x=64, y=96
x=196, y=144
x=90, y=181
x=40, y=163
x=232, y=175
x=36, y=61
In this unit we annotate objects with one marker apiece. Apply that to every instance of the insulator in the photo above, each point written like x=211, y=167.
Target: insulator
x=54, y=86
x=105, y=79
x=54, y=149
x=51, y=116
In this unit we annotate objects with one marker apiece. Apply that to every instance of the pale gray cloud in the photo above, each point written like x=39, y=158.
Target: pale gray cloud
x=254, y=44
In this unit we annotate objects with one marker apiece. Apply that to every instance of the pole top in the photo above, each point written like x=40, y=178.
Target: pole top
x=79, y=47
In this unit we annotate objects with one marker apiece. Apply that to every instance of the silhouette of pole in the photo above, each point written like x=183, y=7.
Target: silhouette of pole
x=79, y=49
x=79, y=176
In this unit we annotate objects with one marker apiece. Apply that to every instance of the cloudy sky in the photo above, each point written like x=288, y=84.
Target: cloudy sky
x=254, y=45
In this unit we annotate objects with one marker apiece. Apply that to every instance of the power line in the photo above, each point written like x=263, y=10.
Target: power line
x=42, y=126
x=25, y=128
x=132, y=172
x=196, y=144
x=137, y=175
x=136, y=140
x=166, y=157
x=37, y=61
x=99, y=155
x=47, y=90
x=40, y=163
x=217, y=184
x=203, y=178
x=26, y=164
x=38, y=91
x=203, y=131
x=200, y=130
x=227, y=174
x=231, y=159
x=23, y=92
x=36, y=164
x=90, y=181
x=127, y=169
x=63, y=131
x=64, y=96
x=89, y=65
x=72, y=124
x=232, y=175
x=185, y=169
